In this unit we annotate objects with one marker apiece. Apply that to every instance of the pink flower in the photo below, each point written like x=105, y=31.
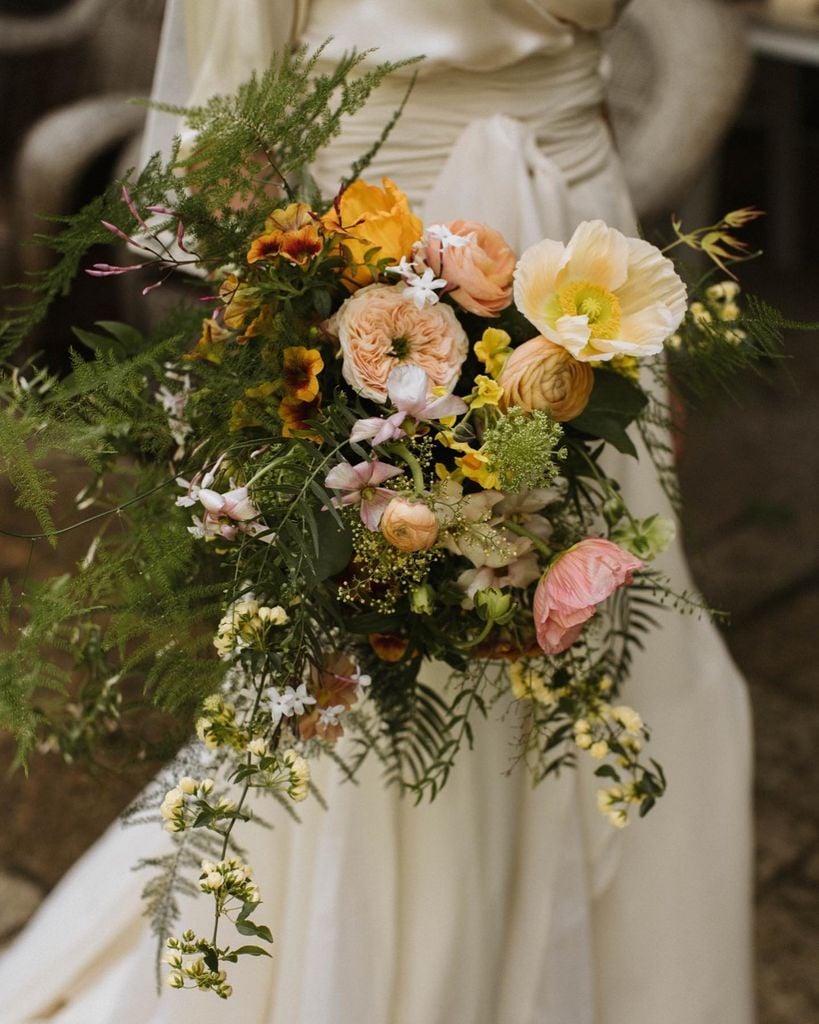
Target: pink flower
x=226, y=515
x=361, y=486
x=574, y=585
x=380, y=327
x=475, y=261
x=408, y=389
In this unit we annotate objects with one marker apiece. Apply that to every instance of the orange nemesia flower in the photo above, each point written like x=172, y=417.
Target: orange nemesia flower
x=296, y=416
x=293, y=233
x=300, y=369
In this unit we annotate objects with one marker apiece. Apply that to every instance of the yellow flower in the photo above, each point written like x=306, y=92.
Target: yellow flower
x=210, y=343
x=487, y=392
x=255, y=409
x=239, y=300
x=296, y=416
x=493, y=349
x=293, y=233
x=527, y=684
x=300, y=369
x=367, y=217
x=475, y=466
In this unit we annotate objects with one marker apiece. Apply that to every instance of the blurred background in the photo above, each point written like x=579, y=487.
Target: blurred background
x=715, y=106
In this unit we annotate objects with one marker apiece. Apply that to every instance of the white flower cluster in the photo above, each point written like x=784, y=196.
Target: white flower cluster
x=621, y=728
x=245, y=624
x=299, y=773
x=194, y=973
x=176, y=809
x=217, y=727
x=614, y=802
x=229, y=878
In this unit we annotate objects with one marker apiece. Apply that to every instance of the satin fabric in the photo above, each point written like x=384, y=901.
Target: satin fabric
x=499, y=903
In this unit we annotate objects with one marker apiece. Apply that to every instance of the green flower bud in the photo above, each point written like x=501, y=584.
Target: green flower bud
x=422, y=599
x=494, y=606
x=645, y=538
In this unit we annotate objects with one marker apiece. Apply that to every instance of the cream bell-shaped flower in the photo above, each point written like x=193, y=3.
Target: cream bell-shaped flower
x=602, y=295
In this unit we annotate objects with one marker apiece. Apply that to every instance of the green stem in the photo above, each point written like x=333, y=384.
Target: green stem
x=484, y=633
x=521, y=531
x=414, y=466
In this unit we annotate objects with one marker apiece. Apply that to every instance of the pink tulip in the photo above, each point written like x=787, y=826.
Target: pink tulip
x=574, y=585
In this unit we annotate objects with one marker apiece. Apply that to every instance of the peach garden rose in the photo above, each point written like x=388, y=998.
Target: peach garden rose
x=602, y=295
x=476, y=262
x=380, y=327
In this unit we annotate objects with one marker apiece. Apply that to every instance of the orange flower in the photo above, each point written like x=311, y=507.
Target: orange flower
x=296, y=416
x=300, y=369
x=388, y=646
x=366, y=217
x=211, y=340
x=239, y=301
x=292, y=233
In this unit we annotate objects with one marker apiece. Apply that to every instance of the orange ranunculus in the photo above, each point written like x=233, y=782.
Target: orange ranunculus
x=541, y=375
x=292, y=233
x=300, y=369
x=366, y=216
x=296, y=416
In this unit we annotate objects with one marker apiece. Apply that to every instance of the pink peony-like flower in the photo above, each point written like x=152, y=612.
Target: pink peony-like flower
x=574, y=585
x=381, y=327
x=475, y=261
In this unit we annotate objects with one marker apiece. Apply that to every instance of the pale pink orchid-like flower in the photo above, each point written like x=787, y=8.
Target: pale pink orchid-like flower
x=408, y=387
x=226, y=515
x=362, y=486
x=574, y=585
x=519, y=574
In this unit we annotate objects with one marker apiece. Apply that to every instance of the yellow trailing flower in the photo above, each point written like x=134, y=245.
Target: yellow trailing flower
x=240, y=301
x=210, y=343
x=493, y=350
x=487, y=392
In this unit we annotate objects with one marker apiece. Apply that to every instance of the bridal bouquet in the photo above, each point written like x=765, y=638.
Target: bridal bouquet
x=370, y=443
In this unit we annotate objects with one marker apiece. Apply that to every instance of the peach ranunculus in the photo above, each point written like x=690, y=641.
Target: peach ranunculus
x=575, y=583
x=602, y=295
x=475, y=261
x=380, y=327
x=409, y=525
x=541, y=375
x=366, y=216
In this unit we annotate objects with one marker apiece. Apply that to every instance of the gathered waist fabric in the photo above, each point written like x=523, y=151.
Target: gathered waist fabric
x=486, y=145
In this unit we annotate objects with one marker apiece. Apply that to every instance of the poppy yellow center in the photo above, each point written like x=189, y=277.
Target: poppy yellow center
x=602, y=307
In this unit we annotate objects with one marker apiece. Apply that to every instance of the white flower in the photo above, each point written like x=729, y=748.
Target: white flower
x=599, y=749
x=423, y=289
x=257, y=747
x=447, y=237
x=290, y=701
x=628, y=718
x=188, y=785
x=330, y=716
x=275, y=616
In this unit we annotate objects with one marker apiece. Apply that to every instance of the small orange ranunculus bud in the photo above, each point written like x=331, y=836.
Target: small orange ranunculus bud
x=409, y=525
x=542, y=375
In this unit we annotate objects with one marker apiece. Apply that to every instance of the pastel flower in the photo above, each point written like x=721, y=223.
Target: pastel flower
x=409, y=525
x=409, y=391
x=361, y=485
x=542, y=375
x=380, y=328
x=421, y=288
x=366, y=217
x=574, y=585
x=601, y=295
x=478, y=268
x=487, y=392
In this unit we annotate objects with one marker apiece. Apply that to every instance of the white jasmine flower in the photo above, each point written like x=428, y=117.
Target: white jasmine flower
x=447, y=238
x=422, y=289
x=330, y=716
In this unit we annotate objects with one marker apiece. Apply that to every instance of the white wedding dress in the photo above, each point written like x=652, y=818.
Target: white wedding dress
x=498, y=903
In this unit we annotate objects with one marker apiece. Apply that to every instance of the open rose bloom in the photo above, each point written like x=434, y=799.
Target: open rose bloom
x=574, y=585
